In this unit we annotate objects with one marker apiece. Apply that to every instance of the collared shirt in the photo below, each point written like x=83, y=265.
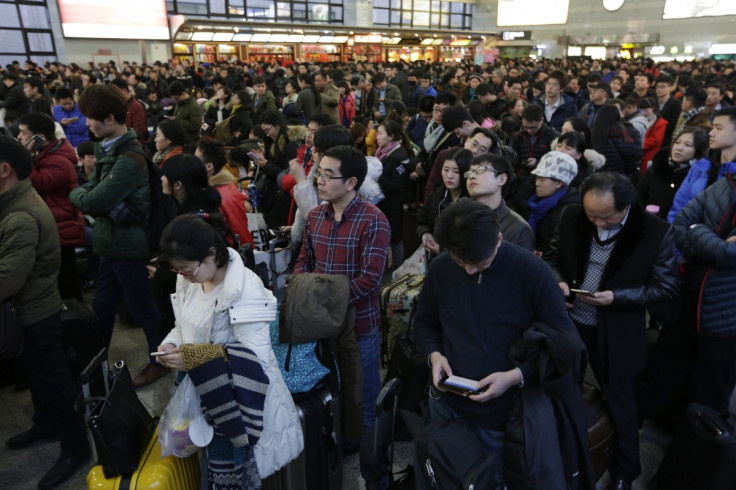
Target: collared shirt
x=549, y=110
x=606, y=233
x=356, y=246
x=107, y=144
x=381, y=105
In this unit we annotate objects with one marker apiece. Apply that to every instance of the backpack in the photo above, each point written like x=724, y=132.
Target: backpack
x=448, y=456
x=163, y=207
x=222, y=131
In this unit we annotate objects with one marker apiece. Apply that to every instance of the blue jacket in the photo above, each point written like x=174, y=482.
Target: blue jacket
x=566, y=110
x=694, y=183
x=75, y=132
x=705, y=243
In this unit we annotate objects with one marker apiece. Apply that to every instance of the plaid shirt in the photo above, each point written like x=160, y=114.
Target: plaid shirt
x=356, y=246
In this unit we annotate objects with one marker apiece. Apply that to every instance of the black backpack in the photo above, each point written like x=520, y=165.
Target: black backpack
x=163, y=207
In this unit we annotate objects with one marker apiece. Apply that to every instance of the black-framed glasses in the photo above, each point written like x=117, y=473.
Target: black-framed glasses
x=480, y=170
x=185, y=273
x=327, y=177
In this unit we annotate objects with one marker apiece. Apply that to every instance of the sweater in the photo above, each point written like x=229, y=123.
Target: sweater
x=473, y=320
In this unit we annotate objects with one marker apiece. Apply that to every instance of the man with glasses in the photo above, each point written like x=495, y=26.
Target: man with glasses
x=669, y=107
x=486, y=178
x=612, y=260
x=478, y=299
x=347, y=235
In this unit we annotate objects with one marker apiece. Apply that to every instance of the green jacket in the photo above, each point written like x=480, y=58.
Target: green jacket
x=392, y=94
x=330, y=100
x=29, y=261
x=117, y=178
x=189, y=114
x=267, y=103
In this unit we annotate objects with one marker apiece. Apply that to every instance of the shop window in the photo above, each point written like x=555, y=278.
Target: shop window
x=9, y=15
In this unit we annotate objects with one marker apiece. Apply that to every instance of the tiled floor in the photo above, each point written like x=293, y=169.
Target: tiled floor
x=20, y=470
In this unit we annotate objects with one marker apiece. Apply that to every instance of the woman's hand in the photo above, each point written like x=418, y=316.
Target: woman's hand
x=430, y=244
x=257, y=157
x=172, y=359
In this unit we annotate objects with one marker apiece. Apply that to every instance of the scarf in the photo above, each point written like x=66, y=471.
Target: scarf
x=232, y=387
x=539, y=207
x=159, y=156
x=382, y=151
x=432, y=137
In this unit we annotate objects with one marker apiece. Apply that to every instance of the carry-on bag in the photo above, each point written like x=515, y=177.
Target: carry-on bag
x=601, y=434
x=396, y=301
x=81, y=338
x=702, y=456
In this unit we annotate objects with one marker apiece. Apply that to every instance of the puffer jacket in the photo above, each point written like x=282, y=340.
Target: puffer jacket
x=711, y=212
x=29, y=264
x=76, y=132
x=696, y=181
x=232, y=206
x=54, y=176
x=244, y=312
x=566, y=110
x=117, y=178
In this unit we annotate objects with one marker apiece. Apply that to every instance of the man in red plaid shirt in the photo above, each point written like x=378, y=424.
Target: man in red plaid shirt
x=350, y=236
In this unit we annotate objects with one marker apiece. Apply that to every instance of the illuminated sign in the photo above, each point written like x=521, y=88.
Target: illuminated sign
x=516, y=35
x=685, y=9
x=532, y=12
x=112, y=19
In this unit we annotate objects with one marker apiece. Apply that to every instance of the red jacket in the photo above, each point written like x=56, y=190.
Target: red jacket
x=137, y=118
x=232, y=206
x=653, y=141
x=346, y=106
x=54, y=176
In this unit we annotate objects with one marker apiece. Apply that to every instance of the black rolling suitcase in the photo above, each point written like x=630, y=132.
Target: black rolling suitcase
x=702, y=456
x=80, y=335
x=319, y=466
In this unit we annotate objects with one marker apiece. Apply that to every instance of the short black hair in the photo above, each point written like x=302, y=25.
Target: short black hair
x=484, y=89
x=120, y=83
x=378, y=78
x=321, y=119
x=39, y=123
x=177, y=88
x=730, y=112
x=454, y=116
x=330, y=136
x=259, y=81
x=213, y=152
x=173, y=130
x=426, y=103
x=85, y=148
x=35, y=82
x=352, y=162
x=500, y=164
x=468, y=230
x=17, y=156
x=532, y=112
x=624, y=192
x=63, y=93
x=446, y=97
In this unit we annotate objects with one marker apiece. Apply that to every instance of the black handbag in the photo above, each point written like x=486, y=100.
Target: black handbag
x=11, y=333
x=119, y=423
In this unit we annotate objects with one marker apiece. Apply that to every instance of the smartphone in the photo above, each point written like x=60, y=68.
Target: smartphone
x=74, y=119
x=254, y=156
x=460, y=386
x=154, y=354
x=582, y=291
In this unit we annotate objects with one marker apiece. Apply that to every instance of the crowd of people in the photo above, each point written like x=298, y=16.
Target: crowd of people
x=617, y=175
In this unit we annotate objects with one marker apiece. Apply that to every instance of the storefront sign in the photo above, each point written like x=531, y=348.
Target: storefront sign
x=516, y=35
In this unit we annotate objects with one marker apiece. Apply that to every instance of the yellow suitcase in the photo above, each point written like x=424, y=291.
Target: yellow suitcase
x=169, y=473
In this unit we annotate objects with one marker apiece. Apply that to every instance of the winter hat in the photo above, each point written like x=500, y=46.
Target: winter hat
x=557, y=165
x=475, y=75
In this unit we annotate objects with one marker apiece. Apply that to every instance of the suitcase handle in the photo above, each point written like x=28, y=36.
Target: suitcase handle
x=712, y=425
x=392, y=388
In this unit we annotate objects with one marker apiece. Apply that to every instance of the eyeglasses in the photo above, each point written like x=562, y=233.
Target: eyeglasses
x=327, y=177
x=473, y=172
x=437, y=109
x=266, y=129
x=185, y=273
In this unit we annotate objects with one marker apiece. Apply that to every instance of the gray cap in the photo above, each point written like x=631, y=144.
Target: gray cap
x=557, y=165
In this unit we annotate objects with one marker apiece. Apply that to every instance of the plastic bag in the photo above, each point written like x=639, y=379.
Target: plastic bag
x=416, y=264
x=183, y=429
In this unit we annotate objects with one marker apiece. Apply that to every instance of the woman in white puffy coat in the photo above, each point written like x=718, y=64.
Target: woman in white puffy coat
x=219, y=301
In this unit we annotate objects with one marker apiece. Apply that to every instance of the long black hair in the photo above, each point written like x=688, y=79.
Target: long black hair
x=191, y=172
x=607, y=125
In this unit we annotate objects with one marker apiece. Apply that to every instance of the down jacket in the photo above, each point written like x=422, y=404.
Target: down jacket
x=711, y=212
x=243, y=314
x=54, y=176
x=696, y=181
x=117, y=178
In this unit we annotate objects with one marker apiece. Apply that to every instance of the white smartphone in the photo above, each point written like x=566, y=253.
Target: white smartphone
x=154, y=354
x=461, y=386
